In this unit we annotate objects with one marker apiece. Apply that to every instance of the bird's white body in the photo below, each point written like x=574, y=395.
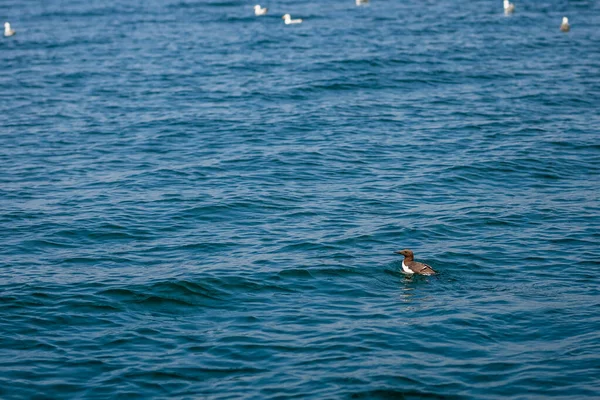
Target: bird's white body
x=509, y=7
x=258, y=10
x=406, y=270
x=287, y=18
x=565, y=27
x=7, y=30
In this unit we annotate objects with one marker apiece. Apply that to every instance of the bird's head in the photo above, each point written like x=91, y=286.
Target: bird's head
x=405, y=253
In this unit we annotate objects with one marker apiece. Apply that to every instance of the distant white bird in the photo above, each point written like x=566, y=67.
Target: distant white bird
x=509, y=7
x=258, y=10
x=565, y=27
x=288, y=20
x=7, y=31
x=361, y=2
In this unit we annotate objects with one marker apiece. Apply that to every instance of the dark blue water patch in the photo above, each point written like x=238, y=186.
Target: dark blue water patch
x=200, y=203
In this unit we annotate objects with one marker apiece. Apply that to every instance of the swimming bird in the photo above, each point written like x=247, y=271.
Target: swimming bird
x=361, y=2
x=7, y=31
x=410, y=266
x=565, y=27
x=258, y=10
x=288, y=20
x=509, y=7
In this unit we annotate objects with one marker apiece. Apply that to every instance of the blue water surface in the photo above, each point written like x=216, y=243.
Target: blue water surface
x=199, y=203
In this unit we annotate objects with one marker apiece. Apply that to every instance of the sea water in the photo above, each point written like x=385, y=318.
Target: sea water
x=200, y=203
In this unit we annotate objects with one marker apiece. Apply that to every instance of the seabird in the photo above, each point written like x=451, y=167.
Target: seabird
x=258, y=10
x=410, y=266
x=361, y=2
x=565, y=27
x=288, y=20
x=509, y=7
x=7, y=31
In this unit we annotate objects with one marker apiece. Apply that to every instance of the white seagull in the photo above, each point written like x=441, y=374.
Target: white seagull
x=288, y=20
x=258, y=10
x=565, y=27
x=509, y=7
x=7, y=31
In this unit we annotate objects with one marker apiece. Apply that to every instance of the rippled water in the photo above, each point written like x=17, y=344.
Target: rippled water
x=199, y=203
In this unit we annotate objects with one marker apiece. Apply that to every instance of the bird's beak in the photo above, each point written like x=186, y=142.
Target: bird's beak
x=398, y=252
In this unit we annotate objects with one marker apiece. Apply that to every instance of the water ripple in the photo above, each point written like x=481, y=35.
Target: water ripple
x=198, y=203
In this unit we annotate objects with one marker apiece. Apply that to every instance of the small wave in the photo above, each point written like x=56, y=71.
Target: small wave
x=386, y=394
x=165, y=294
x=295, y=273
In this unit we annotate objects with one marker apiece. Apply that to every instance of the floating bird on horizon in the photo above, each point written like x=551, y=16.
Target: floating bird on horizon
x=361, y=2
x=509, y=7
x=258, y=10
x=565, y=27
x=7, y=30
x=287, y=18
x=410, y=266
